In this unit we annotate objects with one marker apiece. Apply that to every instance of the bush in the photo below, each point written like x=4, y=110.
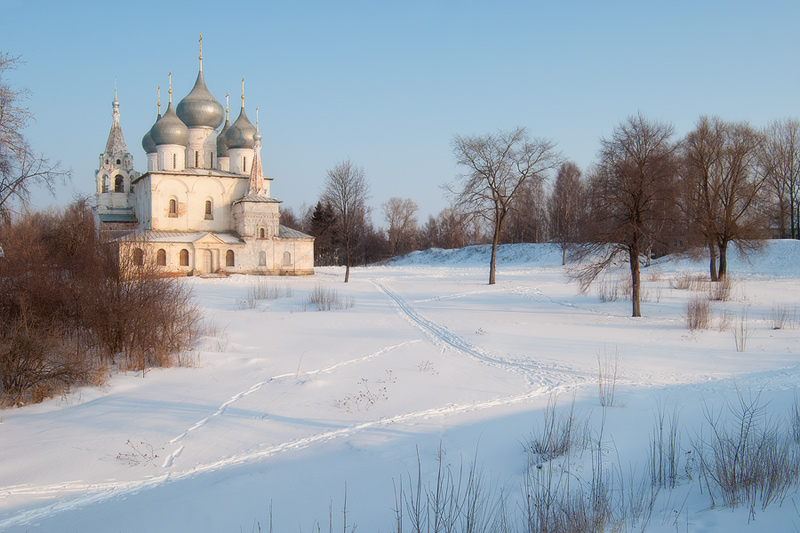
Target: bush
x=327, y=299
x=698, y=314
x=68, y=312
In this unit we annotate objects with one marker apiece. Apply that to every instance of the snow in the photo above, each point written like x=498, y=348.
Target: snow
x=290, y=409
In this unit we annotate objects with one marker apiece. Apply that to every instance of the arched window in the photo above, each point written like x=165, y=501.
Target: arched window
x=209, y=214
x=174, y=161
x=229, y=259
x=244, y=165
x=262, y=234
x=197, y=160
x=287, y=259
x=138, y=257
x=262, y=259
x=183, y=258
x=118, y=161
x=173, y=208
x=119, y=184
x=161, y=257
x=105, y=183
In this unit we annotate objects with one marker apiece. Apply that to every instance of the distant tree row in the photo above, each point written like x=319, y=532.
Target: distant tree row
x=649, y=193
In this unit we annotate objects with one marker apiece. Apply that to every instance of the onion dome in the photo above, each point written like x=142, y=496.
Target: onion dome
x=169, y=129
x=222, y=146
x=199, y=108
x=147, y=141
x=240, y=134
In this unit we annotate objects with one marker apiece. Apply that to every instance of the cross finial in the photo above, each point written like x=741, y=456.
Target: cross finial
x=256, y=118
x=170, y=87
x=159, y=100
x=201, y=51
x=115, y=87
x=226, y=106
x=242, y=91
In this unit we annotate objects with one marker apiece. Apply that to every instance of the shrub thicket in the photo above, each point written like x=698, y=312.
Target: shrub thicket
x=68, y=313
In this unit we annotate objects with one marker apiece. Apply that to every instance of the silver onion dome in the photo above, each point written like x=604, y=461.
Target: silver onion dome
x=199, y=108
x=147, y=141
x=240, y=134
x=169, y=129
x=222, y=145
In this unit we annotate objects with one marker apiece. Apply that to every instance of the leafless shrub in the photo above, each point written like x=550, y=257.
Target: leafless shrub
x=70, y=308
x=608, y=291
x=559, y=432
x=725, y=321
x=455, y=500
x=720, y=291
x=698, y=314
x=741, y=331
x=607, y=371
x=783, y=317
x=665, y=448
x=367, y=396
x=684, y=282
x=747, y=459
x=327, y=299
x=654, y=274
x=141, y=453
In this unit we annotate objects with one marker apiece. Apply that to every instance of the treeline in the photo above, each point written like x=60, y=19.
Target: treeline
x=724, y=182
x=68, y=314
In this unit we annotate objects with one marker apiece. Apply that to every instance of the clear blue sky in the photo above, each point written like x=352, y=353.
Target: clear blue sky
x=388, y=84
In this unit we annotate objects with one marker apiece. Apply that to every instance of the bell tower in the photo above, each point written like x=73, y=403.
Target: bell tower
x=114, y=178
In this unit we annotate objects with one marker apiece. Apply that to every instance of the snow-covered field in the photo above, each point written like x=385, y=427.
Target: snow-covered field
x=293, y=410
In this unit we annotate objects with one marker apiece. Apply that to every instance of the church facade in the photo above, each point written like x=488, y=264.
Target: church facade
x=203, y=206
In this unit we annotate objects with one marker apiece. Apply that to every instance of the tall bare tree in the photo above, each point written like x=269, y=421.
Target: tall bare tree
x=566, y=207
x=498, y=167
x=722, y=183
x=20, y=168
x=781, y=166
x=346, y=190
x=400, y=215
x=631, y=197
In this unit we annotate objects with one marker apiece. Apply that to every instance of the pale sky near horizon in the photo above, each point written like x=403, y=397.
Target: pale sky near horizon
x=388, y=84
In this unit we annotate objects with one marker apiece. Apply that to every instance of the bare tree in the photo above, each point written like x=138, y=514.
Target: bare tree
x=498, y=168
x=566, y=207
x=19, y=167
x=781, y=166
x=346, y=190
x=722, y=184
x=631, y=196
x=527, y=220
x=400, y=215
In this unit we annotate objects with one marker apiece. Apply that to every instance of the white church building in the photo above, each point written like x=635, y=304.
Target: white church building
x=203, y=206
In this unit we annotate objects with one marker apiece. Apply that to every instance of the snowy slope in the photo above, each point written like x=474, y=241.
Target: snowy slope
x=292, y=409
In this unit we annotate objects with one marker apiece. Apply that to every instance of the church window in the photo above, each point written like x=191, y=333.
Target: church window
x=138, y=257
x=262, y=234
x=174, y=161
x=173, y=208
x=119, y=185
x=211, y=164
x=197, y=160
x=183, y=258
x=118, y=161
x=105, y=183
x=229, y=258
x=161, y=257
x=262, y=259
x=244, y=165
x=287, y=259
x=209, y=215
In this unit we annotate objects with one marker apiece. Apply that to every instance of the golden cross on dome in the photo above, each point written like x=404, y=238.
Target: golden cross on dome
x=242, y=91
x=170, y=87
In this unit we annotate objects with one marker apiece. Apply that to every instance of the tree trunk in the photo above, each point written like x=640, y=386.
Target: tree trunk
x=723, y=261
x=563, y=255
x=633, y=257
x=347, y=260
x=493, y=260
x=712, y=261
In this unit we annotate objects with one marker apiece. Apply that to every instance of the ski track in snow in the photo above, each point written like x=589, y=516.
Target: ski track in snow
x=543, y=380
x=534, y=372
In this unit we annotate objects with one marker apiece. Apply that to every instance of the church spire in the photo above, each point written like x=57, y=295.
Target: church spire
x=115, y=145
x=256, y=173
